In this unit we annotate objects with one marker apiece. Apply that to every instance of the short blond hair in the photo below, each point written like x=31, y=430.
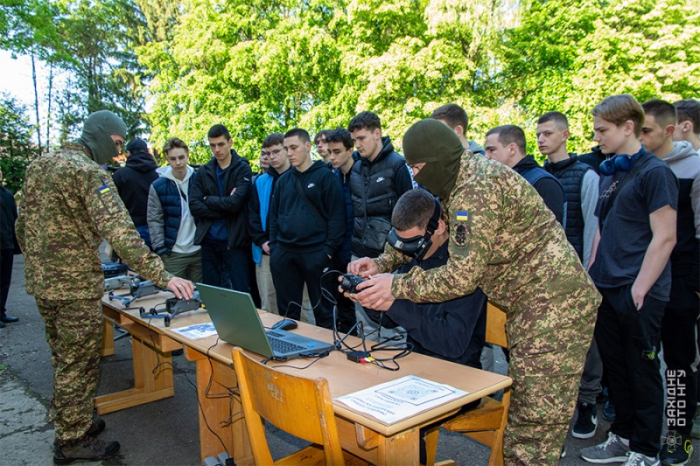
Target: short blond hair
x=618, y=109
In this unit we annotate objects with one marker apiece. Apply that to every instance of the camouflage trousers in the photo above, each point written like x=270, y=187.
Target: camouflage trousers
x=544, y=393
x=74, y=334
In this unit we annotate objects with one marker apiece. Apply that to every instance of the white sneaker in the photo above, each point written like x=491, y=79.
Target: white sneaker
x=637, y=459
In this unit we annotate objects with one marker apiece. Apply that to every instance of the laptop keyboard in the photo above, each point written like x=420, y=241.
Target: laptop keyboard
x=281, y=346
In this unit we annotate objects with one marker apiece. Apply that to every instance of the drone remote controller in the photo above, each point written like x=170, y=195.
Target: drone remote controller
x=350, y=283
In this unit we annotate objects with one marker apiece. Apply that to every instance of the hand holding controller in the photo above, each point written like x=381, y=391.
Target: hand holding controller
x=349, y=283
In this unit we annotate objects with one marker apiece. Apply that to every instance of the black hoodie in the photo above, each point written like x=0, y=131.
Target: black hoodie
x=294, y=226
x=133, y=182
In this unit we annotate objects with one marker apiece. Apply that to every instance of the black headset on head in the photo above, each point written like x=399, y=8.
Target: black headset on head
x=418, y=245
x=620, y=163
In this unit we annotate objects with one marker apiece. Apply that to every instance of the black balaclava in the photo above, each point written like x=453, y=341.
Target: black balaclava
x=435, y=144
x=97, y=129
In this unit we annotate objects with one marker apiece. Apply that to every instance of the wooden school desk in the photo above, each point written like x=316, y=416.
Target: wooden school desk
x=397, y=444
x=151, y=348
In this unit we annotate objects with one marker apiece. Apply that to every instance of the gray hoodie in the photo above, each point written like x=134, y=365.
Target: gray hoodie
x=685, y=163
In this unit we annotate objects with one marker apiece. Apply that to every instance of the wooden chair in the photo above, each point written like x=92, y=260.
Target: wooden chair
x=301, y=407
x=487, y=422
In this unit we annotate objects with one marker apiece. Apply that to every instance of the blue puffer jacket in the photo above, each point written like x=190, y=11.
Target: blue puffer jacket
x=165, y=213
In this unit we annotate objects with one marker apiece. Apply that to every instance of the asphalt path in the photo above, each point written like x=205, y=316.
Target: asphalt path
x=159, y=433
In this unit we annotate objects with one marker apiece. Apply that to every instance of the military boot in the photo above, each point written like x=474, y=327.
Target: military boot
x=87, y=448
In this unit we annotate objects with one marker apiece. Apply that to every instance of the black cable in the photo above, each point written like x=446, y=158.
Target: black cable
x=204, y=417
x=316, y=359
x=153, y=342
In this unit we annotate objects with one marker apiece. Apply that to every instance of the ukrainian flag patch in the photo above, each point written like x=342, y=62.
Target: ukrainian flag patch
x=104, y=189
x=462, y=216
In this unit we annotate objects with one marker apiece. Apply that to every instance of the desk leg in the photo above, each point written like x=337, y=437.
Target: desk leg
x=147, y=385
x=401, y=449
x=107, y=338
x=217, y=407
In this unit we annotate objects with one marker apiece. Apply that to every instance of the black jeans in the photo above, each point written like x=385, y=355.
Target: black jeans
x=290, y=270
x=681, y=351
x=629, y=342
x=224, y=267
x=7, y=258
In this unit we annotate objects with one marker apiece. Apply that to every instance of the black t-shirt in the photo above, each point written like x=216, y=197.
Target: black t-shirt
x=626, y=232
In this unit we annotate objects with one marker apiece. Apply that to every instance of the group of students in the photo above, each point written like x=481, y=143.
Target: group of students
x=630, y=212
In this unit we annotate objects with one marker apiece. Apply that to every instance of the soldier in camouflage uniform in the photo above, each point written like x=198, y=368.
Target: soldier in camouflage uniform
x=69, y=204
x=504, y=240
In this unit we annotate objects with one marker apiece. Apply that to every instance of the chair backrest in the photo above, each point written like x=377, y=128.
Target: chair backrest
x=496, y=326
x=301, y=407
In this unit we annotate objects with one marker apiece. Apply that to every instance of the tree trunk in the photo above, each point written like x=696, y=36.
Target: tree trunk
x=36, y=104
x=48, y=111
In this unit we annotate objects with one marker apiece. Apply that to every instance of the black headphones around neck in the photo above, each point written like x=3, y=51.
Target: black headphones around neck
x=620, y=163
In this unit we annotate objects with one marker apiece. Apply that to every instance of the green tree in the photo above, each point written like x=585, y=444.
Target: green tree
x=260, y=67
x=16, y=148
x=28, y=27
x=569, y=55
x=99, y=37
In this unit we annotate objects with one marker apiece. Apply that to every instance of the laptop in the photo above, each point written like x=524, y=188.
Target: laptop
x=237, y=322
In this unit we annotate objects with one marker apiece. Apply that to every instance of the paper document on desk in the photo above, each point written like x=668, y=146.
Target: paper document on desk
x=400, y=399
x=197, y=331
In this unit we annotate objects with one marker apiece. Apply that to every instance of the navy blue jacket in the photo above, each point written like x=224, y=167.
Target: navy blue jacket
x=548, y=187
x=453, y=330
x=170, y=199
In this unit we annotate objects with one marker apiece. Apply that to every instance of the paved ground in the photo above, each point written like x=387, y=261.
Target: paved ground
x=159, y=433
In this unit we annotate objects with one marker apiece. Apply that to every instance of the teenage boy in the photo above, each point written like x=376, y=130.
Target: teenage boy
x=322, y=145
x=341, y=148
x=682, y=311
x=456, y=118
x=580, y=183
x=133, y=182
x=307, y=225
x=170, y=222
x=630, y=266
x=506, y=144
x=688, y=122
x=264, y=161
x=259, y=217
x=377, y=182
x=219, y=195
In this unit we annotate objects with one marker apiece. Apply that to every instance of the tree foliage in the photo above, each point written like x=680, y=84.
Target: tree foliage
x=569, y=55
x=16, y=148
x=260, y=66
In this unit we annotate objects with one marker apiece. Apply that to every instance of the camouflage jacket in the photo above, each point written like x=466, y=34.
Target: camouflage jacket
x=69, y=204
x=504, y=240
